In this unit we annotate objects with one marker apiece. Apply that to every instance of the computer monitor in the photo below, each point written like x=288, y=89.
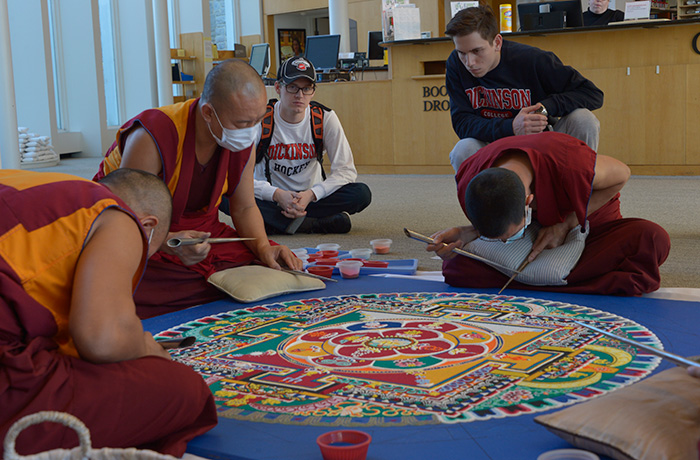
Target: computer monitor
x=260, y=58
x=374, y=51
x=322, y=51
x=550, y=15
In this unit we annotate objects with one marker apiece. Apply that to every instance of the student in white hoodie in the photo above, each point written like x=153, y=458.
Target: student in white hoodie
x=291, y=188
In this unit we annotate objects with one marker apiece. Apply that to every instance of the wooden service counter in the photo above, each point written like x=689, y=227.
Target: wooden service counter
x=649, y=72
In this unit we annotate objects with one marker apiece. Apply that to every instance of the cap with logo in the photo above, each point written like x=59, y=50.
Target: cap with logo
x=295, y=68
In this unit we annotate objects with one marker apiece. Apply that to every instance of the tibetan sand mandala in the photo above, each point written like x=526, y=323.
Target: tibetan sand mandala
x=408, y=358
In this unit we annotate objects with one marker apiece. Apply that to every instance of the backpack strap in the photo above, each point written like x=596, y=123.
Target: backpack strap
x=317, y=110
x=268, y=126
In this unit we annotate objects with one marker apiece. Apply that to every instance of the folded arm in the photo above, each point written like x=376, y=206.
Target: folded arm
x=611, y=175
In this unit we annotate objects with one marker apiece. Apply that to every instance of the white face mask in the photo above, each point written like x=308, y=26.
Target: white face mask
x=236, y=140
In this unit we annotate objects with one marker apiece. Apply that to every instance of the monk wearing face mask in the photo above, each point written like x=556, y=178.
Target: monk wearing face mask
x=203, y=149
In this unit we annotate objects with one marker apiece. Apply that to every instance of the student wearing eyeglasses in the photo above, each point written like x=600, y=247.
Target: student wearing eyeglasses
x=298, y=136
x=560, y=182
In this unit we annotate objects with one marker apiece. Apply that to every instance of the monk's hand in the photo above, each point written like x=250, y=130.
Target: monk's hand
x=153, y=348
x=188, y=254
x=694, y=371
x=529, y=122
x=277, y=256
x=548, y=238
x=446, y=240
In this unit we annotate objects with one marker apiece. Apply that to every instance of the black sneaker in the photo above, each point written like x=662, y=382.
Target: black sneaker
x=337, y=223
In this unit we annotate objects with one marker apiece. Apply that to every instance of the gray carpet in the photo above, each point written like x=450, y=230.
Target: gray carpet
x=428, y=203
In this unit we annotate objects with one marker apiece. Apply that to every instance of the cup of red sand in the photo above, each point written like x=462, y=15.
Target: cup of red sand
x=323, y=270
x=349, y=268
x=327, y=254
x=344, y=445
x=327, y=261
x=381, y=246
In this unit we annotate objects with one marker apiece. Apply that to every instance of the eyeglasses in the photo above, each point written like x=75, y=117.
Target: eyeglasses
x=517, y=236
x=306, y=90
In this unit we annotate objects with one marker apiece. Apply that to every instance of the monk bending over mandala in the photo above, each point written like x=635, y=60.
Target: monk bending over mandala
x=71, y=254
x=562, y=194
x=202, y=150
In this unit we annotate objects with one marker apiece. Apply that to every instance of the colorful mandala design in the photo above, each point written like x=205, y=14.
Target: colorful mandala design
x=419, y=358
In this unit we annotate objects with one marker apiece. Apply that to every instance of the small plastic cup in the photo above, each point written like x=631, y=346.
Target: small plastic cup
x=381, y=246
x=349, y=268
x=344, y=445
x=364, y=253
x=375, y=263
x=568, y=454
x=322, y=270
x=300, y=252
x=328, y=247
x=328, y=261
x=327, y=254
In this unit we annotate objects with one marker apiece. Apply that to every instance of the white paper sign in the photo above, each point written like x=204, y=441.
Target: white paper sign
x=406, y=23
x=637, y=10
x=459, y=6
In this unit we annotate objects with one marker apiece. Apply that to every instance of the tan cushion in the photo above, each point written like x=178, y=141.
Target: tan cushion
x=550, y=268
x=255, y=282
x=655, y=419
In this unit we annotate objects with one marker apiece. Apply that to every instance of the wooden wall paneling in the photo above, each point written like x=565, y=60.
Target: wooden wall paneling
x=271, y=38
x=368, y=16
x=366, y=119
x=423, y=133
x=617, y=47
x=692, y=114
x=249, y=40
x=429, y=13
x=636, y=128
x=366, y=116
x=286, y=6
x=193, y=44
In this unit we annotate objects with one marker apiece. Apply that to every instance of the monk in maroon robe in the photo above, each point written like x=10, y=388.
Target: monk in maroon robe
x=564, y=183
x=71, y=254
x=202, y=149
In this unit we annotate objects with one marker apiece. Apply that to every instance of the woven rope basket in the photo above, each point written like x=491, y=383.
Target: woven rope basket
x=84, y=451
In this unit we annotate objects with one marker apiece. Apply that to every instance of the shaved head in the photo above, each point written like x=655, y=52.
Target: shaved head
x=232, y=76
x=145, y=193
x=495, y=199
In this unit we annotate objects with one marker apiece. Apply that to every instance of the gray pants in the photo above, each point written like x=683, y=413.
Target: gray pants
x=581, y=124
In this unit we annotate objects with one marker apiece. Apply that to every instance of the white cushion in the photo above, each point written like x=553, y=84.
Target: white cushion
x=550, y=268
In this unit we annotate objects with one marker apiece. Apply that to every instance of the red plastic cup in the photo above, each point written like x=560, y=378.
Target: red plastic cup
x=375, y=263
x=322, y=270
x=329, y=261
x=327, y=254
x=344, y=445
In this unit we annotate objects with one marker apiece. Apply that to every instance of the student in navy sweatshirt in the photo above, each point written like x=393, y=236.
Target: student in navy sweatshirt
x=497, y=88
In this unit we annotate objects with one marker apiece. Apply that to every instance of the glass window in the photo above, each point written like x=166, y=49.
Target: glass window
x=59, y=88
x=222, y=17
x=109, y=69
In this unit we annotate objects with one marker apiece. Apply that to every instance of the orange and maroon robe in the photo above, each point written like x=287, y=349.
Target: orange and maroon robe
x=197, y=191
x=148, y=402
x=621, y=257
